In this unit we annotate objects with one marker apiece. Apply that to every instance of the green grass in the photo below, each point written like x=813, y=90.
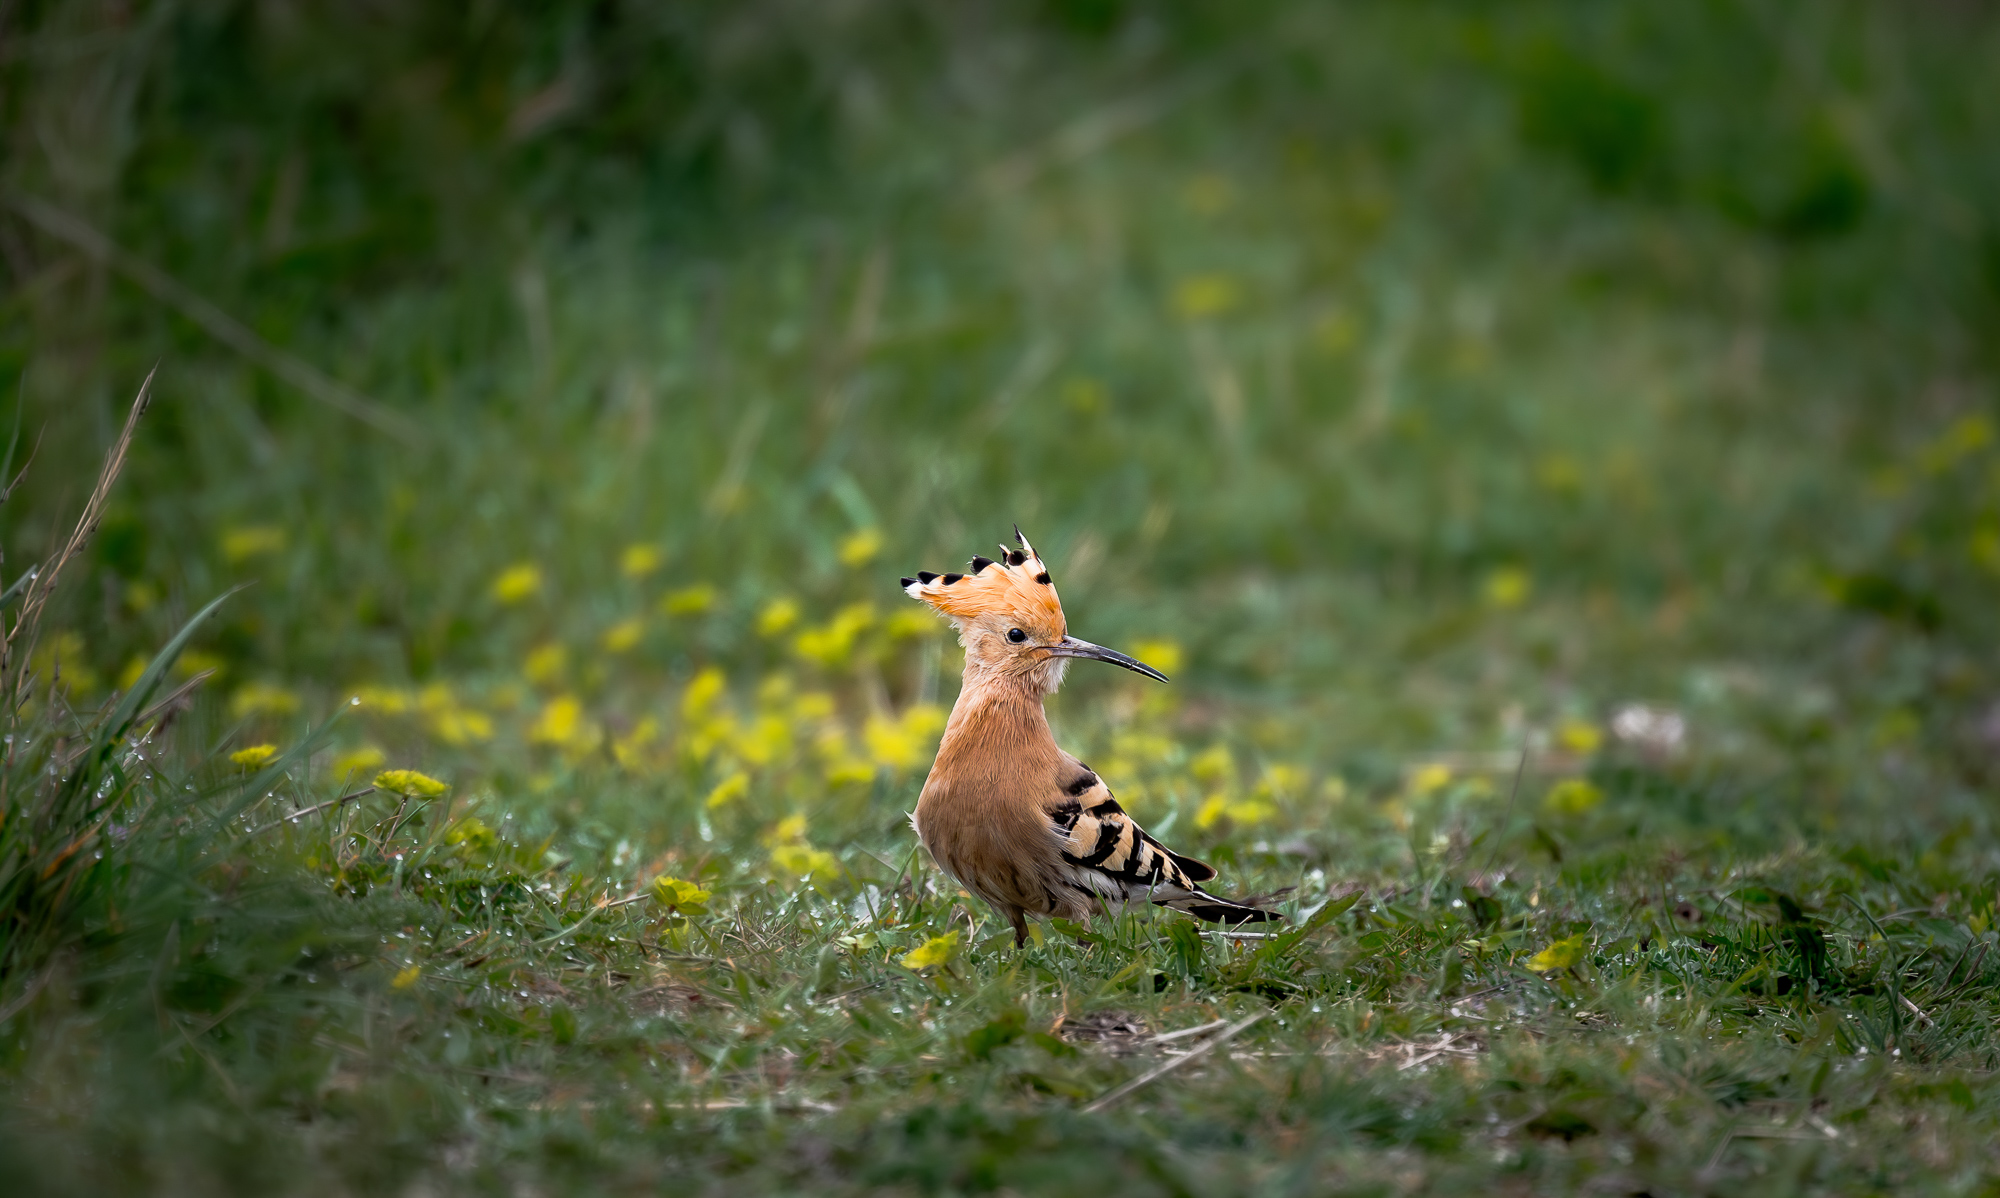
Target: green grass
x=1422, y=384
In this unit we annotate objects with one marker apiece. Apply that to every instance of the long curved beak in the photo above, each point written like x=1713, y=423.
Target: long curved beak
x=1069, y=646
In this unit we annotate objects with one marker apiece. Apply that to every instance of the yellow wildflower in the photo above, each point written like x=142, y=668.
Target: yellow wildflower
x=129, y=676
x=261, y=698
x=727, y=791
x=1211, y=811
x=792, y=856
x=1164, y=656
x=1508, y=586
x=848, y=771
x=1985, y=547
x=64, y=653
x=517, y=583
x=1214, y=765
x=1562, y=954
x=461, y=726
x=938, y=950
x=1216, y=808
x=241, y=544
x=860, y=548
x=255, y=756
x=689, y=601
x=1200, y=296
x=700, y=740
x=410, y=784
x=1285, y=781
x=701, y=693
x=1572, y=796
x=560, y=722
x=1966, y=436
x=641, y=560
x=192, y=662
x=1559, y=473
x=406, y=978
x=1252, y=810
x=624, y=636
x=472, y=833
x=359, y=760
x=803, y=861
x=385, y=700
x=777, y=617
x=1429, y=778
x=911, y=623
x=1579, y=736
x=1153, y=748
x=774, y=690
x=831, y=644
x=141, y=596
x=545, y=663
x=679, y=895
x=630, y=749
x=899, y=744
x=812, y=707
x=923, y=719
x=765, y=740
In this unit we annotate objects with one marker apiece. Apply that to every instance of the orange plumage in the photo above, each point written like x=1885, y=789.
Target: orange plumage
x=1017, y=821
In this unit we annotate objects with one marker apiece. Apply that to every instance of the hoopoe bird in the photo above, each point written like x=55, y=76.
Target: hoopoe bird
x=1018, y=822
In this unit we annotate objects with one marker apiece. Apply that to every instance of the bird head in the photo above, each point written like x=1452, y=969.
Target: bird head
x=1010, y=621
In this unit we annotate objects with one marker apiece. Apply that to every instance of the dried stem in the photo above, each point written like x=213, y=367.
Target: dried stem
x=20, y=639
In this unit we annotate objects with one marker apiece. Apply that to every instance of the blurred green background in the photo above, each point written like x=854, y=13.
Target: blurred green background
x=1418, y=382
x=1405, y=364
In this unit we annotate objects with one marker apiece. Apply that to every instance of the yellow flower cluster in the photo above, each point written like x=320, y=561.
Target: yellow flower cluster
x=438, y=706
x=262, y=699
x=410, y=784
x=938, y=950
x=254, y=757
x=677, y=895
x=239, y=545
x=794, y=858
x=518, y=583
x=562, y=725
x=832, y=643
x=904, y=742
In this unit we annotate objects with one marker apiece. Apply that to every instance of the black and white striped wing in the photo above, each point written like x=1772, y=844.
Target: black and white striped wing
x=1108, y=856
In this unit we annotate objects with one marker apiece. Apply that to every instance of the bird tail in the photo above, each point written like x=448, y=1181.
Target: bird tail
x=1203, y=905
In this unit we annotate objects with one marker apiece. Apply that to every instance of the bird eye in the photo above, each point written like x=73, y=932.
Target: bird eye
x=1016, y=635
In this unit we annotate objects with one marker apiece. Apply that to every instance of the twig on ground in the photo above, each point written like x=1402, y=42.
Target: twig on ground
x=296, y=815
x=1158, y=1071
x=1163, y=1037
x=1917, y=1011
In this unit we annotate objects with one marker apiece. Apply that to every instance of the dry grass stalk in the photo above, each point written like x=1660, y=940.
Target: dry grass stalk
x=217, y=323
x=19, y=642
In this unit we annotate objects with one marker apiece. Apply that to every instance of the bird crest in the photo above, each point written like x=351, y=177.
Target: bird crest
x=1014, y=589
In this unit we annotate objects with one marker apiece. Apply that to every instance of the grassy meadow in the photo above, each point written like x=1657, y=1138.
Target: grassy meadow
x=1551, y=446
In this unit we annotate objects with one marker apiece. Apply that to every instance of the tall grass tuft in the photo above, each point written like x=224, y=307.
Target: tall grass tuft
x=77, y=787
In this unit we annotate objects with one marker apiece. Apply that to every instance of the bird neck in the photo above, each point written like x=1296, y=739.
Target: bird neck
x=995, y=712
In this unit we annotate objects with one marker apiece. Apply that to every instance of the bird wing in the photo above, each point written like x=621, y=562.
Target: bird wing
x=1107, y=855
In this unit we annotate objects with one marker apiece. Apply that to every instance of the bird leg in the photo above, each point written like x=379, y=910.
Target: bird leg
x=1020, y=921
